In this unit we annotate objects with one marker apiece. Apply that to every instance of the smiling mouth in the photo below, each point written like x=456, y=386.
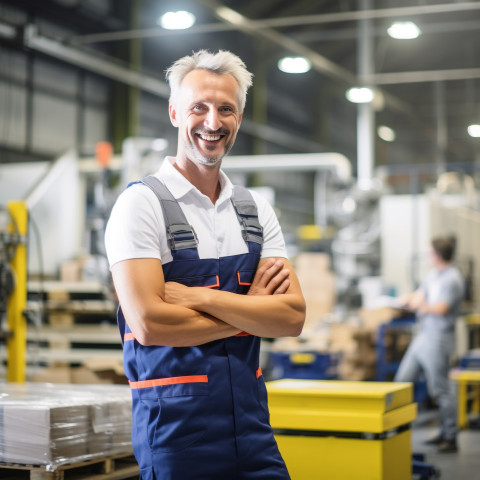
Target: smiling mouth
x=211, y=138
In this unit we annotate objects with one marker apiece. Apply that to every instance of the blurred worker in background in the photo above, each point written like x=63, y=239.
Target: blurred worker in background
x=437, y=303
x=201, y=273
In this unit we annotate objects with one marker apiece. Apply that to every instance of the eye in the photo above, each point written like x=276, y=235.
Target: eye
x=198, y=108
x=226, y=109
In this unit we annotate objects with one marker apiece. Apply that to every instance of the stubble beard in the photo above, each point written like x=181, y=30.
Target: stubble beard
x=195, y=156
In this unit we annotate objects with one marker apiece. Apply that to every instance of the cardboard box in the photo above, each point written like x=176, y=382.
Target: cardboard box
x=373, y=318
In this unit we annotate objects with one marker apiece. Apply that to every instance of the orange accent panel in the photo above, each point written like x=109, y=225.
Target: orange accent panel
x=216, y=285
x=161, y=382
x=242, y=334
x=259, y=372
x=128, y=336
x=240, y=282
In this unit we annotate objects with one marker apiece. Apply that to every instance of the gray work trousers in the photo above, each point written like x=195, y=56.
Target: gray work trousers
x=430, y=353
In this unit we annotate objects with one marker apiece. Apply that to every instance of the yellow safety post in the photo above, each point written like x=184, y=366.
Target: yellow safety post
x=466, y=378
x=16, y=321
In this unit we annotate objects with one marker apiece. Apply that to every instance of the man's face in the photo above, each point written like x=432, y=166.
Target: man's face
x=207, y=115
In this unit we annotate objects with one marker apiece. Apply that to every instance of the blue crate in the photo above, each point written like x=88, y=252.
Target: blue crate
x=305, y=365
x=471, y=360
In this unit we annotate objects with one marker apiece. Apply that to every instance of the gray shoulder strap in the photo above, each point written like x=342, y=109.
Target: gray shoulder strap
x=180, y=234
x=247, y=213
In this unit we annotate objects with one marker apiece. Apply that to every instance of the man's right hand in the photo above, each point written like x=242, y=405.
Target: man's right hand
x=270, y=279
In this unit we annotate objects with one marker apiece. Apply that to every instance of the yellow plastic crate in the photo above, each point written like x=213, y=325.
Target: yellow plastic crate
x=342, y=430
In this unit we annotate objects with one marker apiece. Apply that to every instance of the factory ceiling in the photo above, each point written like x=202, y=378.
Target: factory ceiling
x=427, y=88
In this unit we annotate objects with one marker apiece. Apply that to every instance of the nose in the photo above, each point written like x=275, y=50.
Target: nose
x=212, y=120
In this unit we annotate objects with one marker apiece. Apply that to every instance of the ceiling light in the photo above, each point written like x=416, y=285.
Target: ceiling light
x=386, y=133
x=360, y=94
x=474, y=131
x=294, y=64
x=403, y=30
x=177, y=20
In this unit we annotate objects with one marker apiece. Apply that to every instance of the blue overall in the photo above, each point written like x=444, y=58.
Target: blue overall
x=200, y=413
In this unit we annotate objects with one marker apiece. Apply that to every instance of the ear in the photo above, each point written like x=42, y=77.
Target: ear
x=240, y=120
x=173, y=115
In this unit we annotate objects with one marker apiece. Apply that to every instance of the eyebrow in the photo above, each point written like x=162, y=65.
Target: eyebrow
x=223, y=104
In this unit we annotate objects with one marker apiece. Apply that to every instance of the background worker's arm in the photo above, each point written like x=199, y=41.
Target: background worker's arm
x=439, y=308
x=416, y=301
x=413, y=301
x=259, y=313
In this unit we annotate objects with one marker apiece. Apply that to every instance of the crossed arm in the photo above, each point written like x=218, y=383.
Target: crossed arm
x=160, y=313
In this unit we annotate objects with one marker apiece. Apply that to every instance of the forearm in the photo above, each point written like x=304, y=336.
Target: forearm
x=176, y=326
x=140, y=288
x=263, y=315
x=440, y=309
x=414, y=300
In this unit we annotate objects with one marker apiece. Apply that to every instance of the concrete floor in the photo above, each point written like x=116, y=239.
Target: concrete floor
x=463, y=465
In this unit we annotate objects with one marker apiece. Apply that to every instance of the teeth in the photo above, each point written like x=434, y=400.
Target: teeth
x=211, y=138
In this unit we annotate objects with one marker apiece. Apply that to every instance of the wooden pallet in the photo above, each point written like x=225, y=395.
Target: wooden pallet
x=116, y=467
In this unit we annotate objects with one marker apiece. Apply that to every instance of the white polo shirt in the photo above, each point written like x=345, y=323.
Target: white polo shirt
x=136, y=228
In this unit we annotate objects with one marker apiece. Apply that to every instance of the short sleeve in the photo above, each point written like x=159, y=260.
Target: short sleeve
x=452, y=291
x=135, y=228
x=273, y=241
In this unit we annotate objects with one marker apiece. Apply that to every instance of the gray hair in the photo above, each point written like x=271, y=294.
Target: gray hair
x=222, y=62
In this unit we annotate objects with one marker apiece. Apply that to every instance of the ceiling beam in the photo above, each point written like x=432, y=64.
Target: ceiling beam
x=319, y=63
x=109, y=68
x=396, y=78
x=283, y=22
x=370, y=14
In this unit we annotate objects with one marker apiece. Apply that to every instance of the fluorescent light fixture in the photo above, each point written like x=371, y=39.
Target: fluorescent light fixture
x=403, y=30
x=360, y=94
x=177, y=20
x=474, y=130
x=294, y=64
x=386, y=133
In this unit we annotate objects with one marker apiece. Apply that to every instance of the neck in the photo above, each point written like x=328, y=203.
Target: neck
x=443, y=266
x=205, y=178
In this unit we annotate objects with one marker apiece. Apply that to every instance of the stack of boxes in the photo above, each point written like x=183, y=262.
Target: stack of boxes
x=352, y=343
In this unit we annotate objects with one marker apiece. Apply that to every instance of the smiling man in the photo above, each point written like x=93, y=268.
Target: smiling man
x=201, y=272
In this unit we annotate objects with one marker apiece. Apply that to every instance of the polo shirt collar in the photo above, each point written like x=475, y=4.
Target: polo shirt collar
x=179, y=186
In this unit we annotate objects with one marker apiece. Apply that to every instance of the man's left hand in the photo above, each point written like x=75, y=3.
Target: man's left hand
x=271, y=278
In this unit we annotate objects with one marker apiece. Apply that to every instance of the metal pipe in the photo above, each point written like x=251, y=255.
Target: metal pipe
x=305, y=162
x=319, y=163
x=440, y=126
x=365, y=113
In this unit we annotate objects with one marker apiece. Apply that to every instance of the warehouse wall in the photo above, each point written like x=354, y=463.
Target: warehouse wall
x=47, y=107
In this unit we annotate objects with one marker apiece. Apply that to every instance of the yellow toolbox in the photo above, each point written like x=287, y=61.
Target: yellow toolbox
x=338, y=430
